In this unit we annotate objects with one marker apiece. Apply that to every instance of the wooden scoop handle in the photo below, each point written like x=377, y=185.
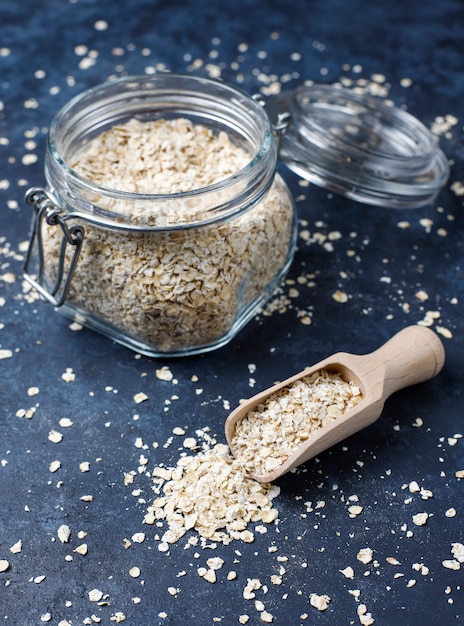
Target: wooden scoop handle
x=412, y=356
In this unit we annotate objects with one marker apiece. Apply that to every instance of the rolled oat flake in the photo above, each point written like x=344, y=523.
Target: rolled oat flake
x=164, y=224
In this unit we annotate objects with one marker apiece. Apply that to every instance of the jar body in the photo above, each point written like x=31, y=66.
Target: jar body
x=169, y=274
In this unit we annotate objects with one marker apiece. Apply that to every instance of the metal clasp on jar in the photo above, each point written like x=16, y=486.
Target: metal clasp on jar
x=46, y=209
x=280, y=125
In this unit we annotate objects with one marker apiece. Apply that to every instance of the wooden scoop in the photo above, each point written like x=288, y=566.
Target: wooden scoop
x=412, y=356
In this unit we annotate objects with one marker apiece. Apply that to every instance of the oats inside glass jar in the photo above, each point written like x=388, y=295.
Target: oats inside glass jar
x=172, y=288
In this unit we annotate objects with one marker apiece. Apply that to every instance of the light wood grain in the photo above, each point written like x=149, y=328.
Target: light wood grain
x=412, y=356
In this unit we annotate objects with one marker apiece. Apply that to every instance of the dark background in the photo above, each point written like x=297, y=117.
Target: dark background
x=380, y=265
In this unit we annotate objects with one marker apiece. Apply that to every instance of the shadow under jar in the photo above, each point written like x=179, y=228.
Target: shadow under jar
x=162, y=267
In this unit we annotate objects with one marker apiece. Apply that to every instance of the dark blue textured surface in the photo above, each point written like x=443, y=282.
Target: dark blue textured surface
x=399, y=39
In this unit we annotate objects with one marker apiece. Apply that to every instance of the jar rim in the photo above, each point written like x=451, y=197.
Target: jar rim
x=237, y=110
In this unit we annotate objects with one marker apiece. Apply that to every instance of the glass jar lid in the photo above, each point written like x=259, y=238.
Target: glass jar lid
x=359, y=146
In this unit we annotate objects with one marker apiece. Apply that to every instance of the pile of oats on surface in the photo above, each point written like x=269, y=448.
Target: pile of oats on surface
x=266, y=436
x=173, y=289
x=210, y=493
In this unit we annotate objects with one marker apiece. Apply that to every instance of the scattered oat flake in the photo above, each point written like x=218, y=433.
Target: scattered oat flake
x=9, y=278
x=420, y=567
x=118, y=617
x=95, y=595
x=207, y=574
x=420, y=519
x=64, y=532
x=55, y=437
x=451, y=564
x=348, y=572
x=444, y=332
x=355, y=510
x=162, y=472
x=459, y=474
x=321, y=603
x=4, y=565
x=365, y=555
x=252, y=585
x=422, y=295
x=392, y=561
x=33, y=391
x=215, y=562
x=457, y=550
x=140, y=397
x=365, y=618
x=5, y=354
x=101, y=25
x=54, y=466
x=340, y=296
x=68, y=376
x=134, y=572
x=190, y=443
x=164, y=373
x=356, y=593
x=17, y=547
x=39, y=579
x=266, y=617
x=65, y=422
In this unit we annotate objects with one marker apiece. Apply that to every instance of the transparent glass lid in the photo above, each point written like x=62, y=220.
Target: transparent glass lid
x=359, y=146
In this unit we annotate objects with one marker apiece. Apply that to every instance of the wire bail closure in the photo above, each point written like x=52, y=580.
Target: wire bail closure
x=46, y=209
x=280, y=124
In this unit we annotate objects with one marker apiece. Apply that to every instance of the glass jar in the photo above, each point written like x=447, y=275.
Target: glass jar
x=162, y=273
x=181, y=271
